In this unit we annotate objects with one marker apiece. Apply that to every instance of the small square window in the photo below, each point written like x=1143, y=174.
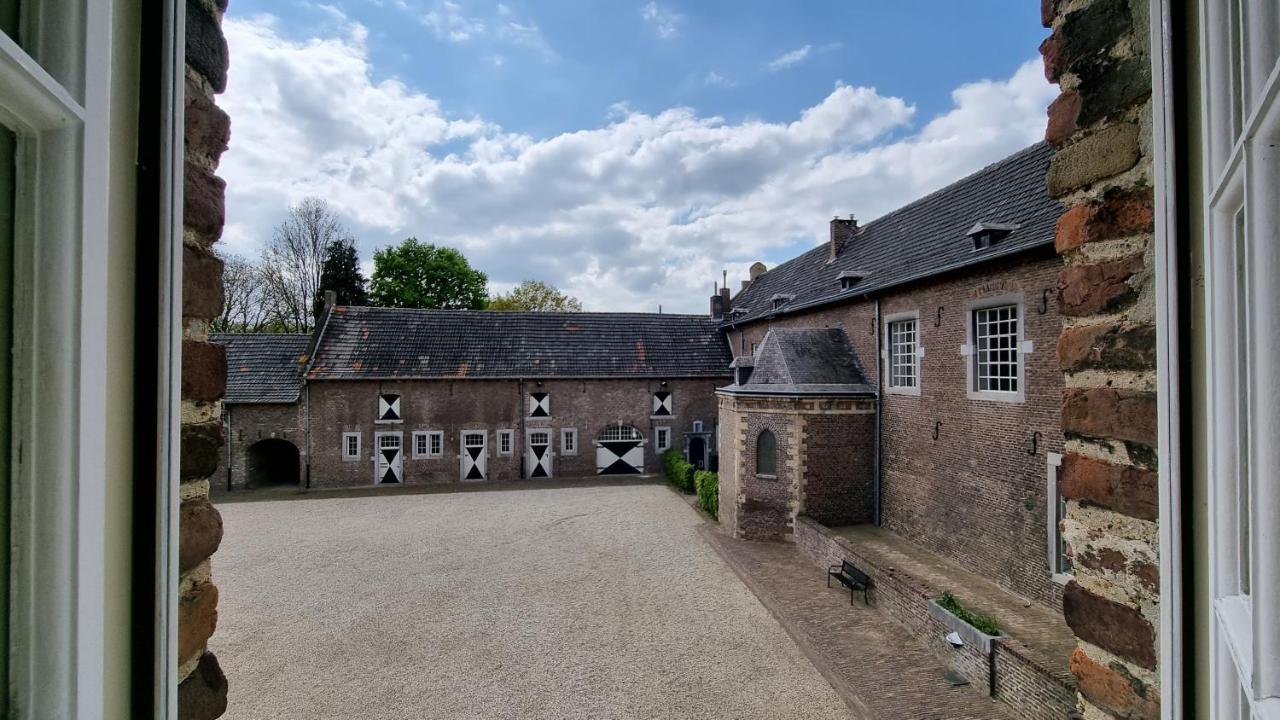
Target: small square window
x=504, y=442
x=351, y=446
x=435, y=444
x=569, y=441
x=697, y=426
x=421, y=444
x=662, y=440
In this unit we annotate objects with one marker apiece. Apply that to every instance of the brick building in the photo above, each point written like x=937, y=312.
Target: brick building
x=390, y=396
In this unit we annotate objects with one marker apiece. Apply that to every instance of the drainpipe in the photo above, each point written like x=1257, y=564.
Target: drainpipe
x=230, y=438
x=306, y=409
x=875, y=486
x=518, y=442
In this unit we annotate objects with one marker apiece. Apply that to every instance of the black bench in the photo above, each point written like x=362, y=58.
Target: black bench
x=851, y=577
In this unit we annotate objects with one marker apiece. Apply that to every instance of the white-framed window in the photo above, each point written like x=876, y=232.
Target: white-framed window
x=1055, y=513
x=1240, y=79
x=505, y=441
x=568, y=441
x=389, y=408
x=663, y=404
x=435, y=443
x=902, y=353
x=350, y=446
x=996, y=349
x=421, y=444
x=697, y=426
x=661, y=439
x=539, y=405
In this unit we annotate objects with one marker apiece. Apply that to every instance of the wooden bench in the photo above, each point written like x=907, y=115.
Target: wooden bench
x=851, y=577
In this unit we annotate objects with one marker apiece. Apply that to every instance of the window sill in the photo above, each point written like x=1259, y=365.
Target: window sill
x=388, y=422
x=1013, y=398
x=662, y=417
x=762, y=476
x=908, y=391
x=569, y=453
x=1062, y=578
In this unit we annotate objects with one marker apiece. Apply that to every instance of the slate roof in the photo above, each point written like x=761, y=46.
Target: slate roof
x=805, y=361
x=365, y=342
x=925, y=238
x=263, y=368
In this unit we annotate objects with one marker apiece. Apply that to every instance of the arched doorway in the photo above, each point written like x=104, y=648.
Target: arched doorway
x=619, y=451
x=272, y=463
x=698, y=452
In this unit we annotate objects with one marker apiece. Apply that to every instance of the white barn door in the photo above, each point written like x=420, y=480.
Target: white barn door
x=474, y=458
x=388, y=459
x=539, y=453
x=620, y=451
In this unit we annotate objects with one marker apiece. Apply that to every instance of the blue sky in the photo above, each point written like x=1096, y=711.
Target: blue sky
x=626, y=151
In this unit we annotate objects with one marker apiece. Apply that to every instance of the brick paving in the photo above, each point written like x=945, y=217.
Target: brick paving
x=871, y=661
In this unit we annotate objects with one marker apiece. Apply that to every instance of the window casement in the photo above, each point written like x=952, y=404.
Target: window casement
x=389, y=408
x=1056, y=512
x=539, y=405
x=505, y=442
x=661, y=439
x=663, y=405
x=1240, y=79
x=350, y=446
x=421, y=444
x=996, y=350
x=568, y=441
x=902, y=353
x=766, y=454
x=697, y=426
x=435, y=443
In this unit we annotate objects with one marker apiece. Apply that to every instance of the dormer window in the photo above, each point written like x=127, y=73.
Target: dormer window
x=780, y=301
x=985, y=234
x=850, y=278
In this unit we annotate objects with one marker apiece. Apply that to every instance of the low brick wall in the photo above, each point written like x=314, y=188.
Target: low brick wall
x=1007, y=673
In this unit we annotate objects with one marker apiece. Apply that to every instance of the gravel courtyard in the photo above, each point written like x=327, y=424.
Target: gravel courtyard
x=591, y=602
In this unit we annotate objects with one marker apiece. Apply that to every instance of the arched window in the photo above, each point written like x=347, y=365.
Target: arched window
x=766, y=454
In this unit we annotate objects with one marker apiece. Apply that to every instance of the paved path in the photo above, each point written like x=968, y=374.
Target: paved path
x=570, y=603
x=870, y=659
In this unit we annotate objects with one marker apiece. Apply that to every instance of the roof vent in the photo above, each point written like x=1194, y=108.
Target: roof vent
x=780, y=301
x=985, y=234
x=849, y=278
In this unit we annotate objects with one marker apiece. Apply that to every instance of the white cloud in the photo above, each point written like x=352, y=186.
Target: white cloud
x=789, y=59
x=665, y=21
x=715, y=79
x=449, y=22
x=452, y=21
x=647, y=208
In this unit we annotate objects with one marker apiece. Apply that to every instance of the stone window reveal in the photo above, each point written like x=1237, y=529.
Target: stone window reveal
x=767, y=454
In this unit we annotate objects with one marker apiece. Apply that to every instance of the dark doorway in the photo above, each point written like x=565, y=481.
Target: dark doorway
x=272, y=463
x=698, y=452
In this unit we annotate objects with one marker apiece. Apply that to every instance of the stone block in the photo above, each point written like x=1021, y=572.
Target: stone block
x=203, y=695
x=197, y=619
x=1123, y=488
x=1048, y=11
x=203, y=295
x=206, y=46
x=1063, y=114
x=203, y=202
x=1114, y=688
x=1102, y=287
x=1103, y=154
x=1116, y=628
x=1051, y=54
x=204, y=371
x=201, y=443
x=1093, y=30
x=1110, y=85
x=199, y=533
x=1108, y=346
x=207, y=127
x=1110, y=413
x=1118, y=214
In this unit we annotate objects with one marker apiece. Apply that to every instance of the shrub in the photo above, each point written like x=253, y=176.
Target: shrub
x=678, y=470
x=708, y=485
x=984, y=623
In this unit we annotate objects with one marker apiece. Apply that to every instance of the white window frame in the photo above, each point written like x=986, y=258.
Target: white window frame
x=697, y=426
x=659, y=445
x=435, y=437
x=1053, y=466
x=425, y=436
x=509, y=436
x=1240, y=109
x=568, y=441
x=346, y=446
x=59, y=108
x=969, y=349
x=888, y=356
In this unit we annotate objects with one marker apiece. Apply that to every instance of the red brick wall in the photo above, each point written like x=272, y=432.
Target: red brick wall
x=839, y=468
x=491, y=405
x=1098, y=53
x=975, y=494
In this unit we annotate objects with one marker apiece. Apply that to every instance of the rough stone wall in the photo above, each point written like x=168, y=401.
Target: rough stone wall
x=825, y=454
x=202, y=690
x=245, y=425
x=452, y=406
x=1101, y=124
x=976, y=494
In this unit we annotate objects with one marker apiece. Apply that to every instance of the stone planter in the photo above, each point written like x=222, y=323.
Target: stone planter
x=971, y=635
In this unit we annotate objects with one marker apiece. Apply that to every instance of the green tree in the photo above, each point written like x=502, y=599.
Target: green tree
x=341, y=274
x=535, y=296
x=420, y=275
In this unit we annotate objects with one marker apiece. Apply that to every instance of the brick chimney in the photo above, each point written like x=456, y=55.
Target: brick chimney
x=842, y=230
x=718, y=305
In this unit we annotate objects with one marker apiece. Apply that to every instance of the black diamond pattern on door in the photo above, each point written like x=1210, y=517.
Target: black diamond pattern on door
x=389, y=407
x=539, y=405
x=389, y=459
x=475, y=456
x=475, y=473
x=662, y=404
x=620, y=457
x=539, y=455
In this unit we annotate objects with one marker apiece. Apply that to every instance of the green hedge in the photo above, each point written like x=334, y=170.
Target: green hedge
x=679, y=471
x=708, y=485
x=984, y=623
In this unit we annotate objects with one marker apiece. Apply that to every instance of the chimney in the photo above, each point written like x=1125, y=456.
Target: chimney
x=842, y=230
x=330, y=298
x=718, y=305
x=757, y=269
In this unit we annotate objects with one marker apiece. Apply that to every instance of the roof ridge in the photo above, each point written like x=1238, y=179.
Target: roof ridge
x=532, y=313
